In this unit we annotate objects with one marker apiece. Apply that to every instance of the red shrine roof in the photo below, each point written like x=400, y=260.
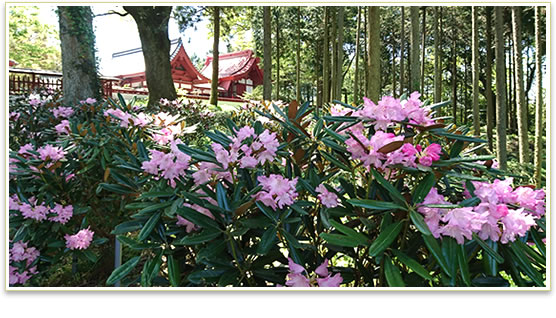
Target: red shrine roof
x=235, y=66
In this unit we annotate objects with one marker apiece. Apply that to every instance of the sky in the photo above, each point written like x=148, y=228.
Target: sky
x=115, y=33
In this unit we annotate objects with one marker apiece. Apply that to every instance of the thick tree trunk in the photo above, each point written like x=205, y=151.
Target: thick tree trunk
x=152, y=24
x=334, y=66
x=77, y=40
x=297, y=60
x=357, y=52
x=402, y=51
x=326, y=59
x=267, y=54
x=373, y=49
x=415, y=71
x=454, y=79
x=501, y=124
x=423, y=49
x=366, y=51
x=475, y=71
x=521, y=106
x=539, y=101
x=437, y=57
x=214, y=80
x=340, y=55
x=488, y=74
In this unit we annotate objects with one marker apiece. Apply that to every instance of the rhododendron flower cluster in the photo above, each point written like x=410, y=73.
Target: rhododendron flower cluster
x=327, y=198
x=81, y=240
x=89, y=101
x=21, y=258
x=169, y=166
x=62, y=112
x=503, y=214
x=276, y=191
x=126, y=118
x=39, y=212
x=368, y=150
x=63, y=127
x=320, y=278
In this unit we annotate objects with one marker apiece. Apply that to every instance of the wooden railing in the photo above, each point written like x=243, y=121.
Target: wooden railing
x=23, y=81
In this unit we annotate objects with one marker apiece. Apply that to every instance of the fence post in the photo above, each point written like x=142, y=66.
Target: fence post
x=117, y=257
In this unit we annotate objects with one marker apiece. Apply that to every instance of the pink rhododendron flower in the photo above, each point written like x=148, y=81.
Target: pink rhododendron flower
x=62, y=112
x=23, y=255
x=32, y=211
x=320, y=278
x=170, y=166
x=89, y=101
x=63, y=213
x=52, y=153
x=63, y=127
x=327, y=198
x=516, y=223
x=81, y=240
x=277, y=191
x=430, y=154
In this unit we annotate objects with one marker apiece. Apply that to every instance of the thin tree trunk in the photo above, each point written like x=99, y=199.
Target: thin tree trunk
x=357, y=52
x=297, y=60
x=464, y=117
x=414, y=51
x=509, y=84
x=373, y=49
x=326, y=59
x=340, y=56
x=437, y=62
x=539, y=101
x=277, y=53
x=267, y=75
x=454, y=80
x=501, y=124
x=513, y=107
x=402, y=50
x=488, y=74
x=366, y=51
x=79, y=71
x=214, y=80
x=475, y=72
x=334, y=66
x=423, y=49
x=521, y=106
x=394, y=78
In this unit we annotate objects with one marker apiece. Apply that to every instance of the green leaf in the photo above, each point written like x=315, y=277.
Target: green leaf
x=362, y=239
x=392, y=191
x=413, y=264
x=463, y=266
x=197, y=218
x=267, y=241
x=149, y=226
x=376, y=205
x=90, y=255
x=123, y=270
x=156, y=194
x=221, y=197
x=133, y=244
x=434, y=248
x=154, y=207
x=292, y=240
x=531, y=252
x=114, y=188
x=334, y=161
x=423, y=188
x=340, y=240
x=392, y=273
x=385, y=238
x=419, y=222
x=202, y=237
x=174, y=274
x=129, y=226
x=497, y=257
x=525, y=264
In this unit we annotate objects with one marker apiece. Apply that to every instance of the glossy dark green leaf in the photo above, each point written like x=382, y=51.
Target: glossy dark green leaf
x=174, y=274
x=392, y=273
x=335, y=161
x=419, y=222
x=525, y=264
x=392, y=191
x=362, y=239
x=128, y=226
x=197, y=218
x=340, y=240
x=497, y=257
x=201, y=237
x=376, y=205
x=123, y=270
x=423, y=188
x=434, y=248
x=463, y=265
x=268, y=240
x=291, y=239
x=154, y=207
x=221, y=197
x=385, y=238
x=412, y=264
x=115, y=188
x=149, y=226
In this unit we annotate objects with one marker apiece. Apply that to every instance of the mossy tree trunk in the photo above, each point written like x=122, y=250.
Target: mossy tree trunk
x=501, y=117
x=521, y=106
x=488, y=79
x=267, y=54
x=79, y=67
x=215, y=54
x=414, y=52
x=539, y=102
x=475, y=70
x=373, y=49
x=152, y=24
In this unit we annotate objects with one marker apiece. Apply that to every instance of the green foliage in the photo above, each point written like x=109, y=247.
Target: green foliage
x=33, y=44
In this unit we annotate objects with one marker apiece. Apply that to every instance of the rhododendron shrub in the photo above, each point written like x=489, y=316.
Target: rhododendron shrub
x=376, y=195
